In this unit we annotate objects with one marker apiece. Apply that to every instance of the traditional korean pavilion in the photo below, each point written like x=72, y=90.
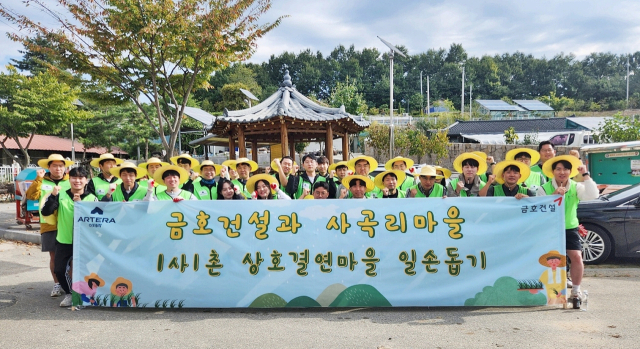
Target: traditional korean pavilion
x=287, y=117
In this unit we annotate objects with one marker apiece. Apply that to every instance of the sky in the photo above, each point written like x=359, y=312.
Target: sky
x=542, y=28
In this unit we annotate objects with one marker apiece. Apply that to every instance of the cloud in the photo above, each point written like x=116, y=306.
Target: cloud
x=542, y=28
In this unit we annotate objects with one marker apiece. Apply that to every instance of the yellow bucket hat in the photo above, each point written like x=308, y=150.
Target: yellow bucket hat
x=482, y=162
x=340, y=163
x=184, y=175
x=430, y=171
x=194, y=162
x=389, y=164
x=367, y=180
x=107, y=156
x=446, y=173
x=574, y=161
x=511, y=154
x=379, y=180
x=140, y=172
x=251, y=182
x=121, y=280
x=216, y=167
x=274, y=167
x=44, y=163
x=553, y=254
x=525, y=171
x=145, y=165
x=373, y=164
x=253, y=164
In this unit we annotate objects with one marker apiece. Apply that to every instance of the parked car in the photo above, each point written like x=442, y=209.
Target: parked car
x=613, y=225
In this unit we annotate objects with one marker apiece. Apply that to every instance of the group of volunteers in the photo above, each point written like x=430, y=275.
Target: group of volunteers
x=524, y=173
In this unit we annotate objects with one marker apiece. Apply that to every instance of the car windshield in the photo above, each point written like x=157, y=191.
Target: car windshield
x=622, y=193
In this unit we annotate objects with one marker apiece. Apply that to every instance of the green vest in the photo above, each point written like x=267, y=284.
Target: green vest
x=463, y=193
x=407, y=184
x=202, y=192
x=138, y=195
x=45, y=188
x=243, y=188
x=194, y=182
x=65, y=216
x=437, y=192
x=102, y=187
x=570, y=203
x=162, y=196
x=534, y=179
x=301, y=182
x=499, y=191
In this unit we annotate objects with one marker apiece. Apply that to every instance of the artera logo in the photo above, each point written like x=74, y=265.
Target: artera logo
x=96, y=222
x=97, y=210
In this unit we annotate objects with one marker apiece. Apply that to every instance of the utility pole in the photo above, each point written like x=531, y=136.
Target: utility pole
x=421, y=97
x=470, y=99
x=627, y=82
x=428, y=101
x=462, y=104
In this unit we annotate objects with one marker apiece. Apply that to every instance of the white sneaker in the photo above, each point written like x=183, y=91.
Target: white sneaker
x=66, y=302
x=57, y=291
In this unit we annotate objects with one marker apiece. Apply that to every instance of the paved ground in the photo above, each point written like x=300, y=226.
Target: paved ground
x=29, y=318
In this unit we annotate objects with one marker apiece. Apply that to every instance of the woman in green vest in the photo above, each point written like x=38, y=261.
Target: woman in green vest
x=427, y=187
x=528, y=156
x=170, y=176
x=99, y=185
x=387, y=182
x=206, y=187
x=470, y=166
x=228, y=191
x=129, y=189
x=63, y=201
x=509, y=174
x=560, y=170
x=265, y=187
x=402, y=164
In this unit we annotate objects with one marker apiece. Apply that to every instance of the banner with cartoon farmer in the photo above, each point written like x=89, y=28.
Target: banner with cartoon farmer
x=493, y=251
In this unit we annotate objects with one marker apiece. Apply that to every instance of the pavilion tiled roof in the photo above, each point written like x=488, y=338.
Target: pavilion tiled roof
x=290, y=103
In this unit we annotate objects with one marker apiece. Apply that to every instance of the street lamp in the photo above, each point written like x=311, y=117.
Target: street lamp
x=393, y=50
x=249, y=95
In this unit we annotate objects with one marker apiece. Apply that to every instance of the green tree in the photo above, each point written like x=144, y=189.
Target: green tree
x=162, y=50
x=510, y=136
x=618, y=129
x=31, y=105
x=347, y=94
x=378, y=139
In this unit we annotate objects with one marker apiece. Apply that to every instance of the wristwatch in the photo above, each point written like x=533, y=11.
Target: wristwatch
x=586, y=174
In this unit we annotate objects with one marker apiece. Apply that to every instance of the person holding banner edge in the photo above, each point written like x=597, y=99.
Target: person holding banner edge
x=63, y=202
x=560, y=170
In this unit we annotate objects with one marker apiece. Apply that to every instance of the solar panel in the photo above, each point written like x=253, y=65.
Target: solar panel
x=498, y=105
x=533, y=105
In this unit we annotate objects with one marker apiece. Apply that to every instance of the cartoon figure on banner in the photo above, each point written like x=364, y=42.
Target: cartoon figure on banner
x=555, y=277
x=87, y=289
x=122, y=293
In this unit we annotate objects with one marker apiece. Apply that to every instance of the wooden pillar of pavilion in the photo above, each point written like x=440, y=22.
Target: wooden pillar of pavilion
x=254, y=151
x=328, y=145
x=232, y=148
x=242, y=146
x=345, y=146
x=292, y=148
x=284, y=138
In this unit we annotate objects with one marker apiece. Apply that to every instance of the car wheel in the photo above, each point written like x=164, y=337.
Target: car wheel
x=596, y=246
